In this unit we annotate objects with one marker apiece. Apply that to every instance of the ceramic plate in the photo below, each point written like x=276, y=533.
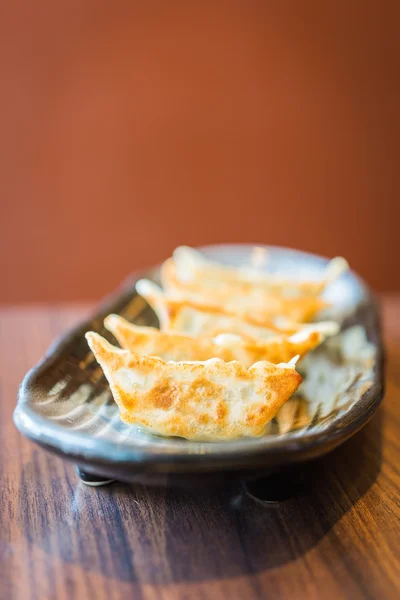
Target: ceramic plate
x=65, y=404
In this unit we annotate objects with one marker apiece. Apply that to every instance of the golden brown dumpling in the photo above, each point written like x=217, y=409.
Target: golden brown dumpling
x=253, y=299
x=211, y=400
x=195, y=271
x=197, y=319
x=170, y=345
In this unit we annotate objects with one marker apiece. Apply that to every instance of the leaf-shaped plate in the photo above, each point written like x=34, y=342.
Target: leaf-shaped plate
x=65, y=404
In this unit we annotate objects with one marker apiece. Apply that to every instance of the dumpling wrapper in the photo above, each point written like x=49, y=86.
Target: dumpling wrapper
x=197, y=319
x=204, y=401
x=250, y=298
x=196, y=271
x=169, y=345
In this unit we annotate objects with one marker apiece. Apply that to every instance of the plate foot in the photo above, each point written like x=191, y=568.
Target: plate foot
x=274, y=488
x=92, y=480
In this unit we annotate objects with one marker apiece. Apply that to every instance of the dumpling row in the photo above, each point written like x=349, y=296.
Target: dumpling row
x=223, y=362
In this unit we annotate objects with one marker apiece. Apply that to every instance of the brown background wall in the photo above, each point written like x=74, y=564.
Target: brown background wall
x=131, y=127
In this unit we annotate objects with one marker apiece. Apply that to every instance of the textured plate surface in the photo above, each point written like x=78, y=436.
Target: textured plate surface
x=66, y=406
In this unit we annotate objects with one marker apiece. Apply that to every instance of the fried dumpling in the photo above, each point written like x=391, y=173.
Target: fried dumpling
x=250, y=298
x=211, y=400
x=195, y=318
x=169, y=345
x=197, y=272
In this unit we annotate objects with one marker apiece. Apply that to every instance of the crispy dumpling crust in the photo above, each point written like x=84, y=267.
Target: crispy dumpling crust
x=194, y=318
x=248, y=299
x=194, y=269
x=170, y=345
x=213, y=400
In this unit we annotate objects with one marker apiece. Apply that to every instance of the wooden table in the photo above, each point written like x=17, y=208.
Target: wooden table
x=339, y=537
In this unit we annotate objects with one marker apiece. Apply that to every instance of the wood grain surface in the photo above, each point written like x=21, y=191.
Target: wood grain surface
x=337, y=537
